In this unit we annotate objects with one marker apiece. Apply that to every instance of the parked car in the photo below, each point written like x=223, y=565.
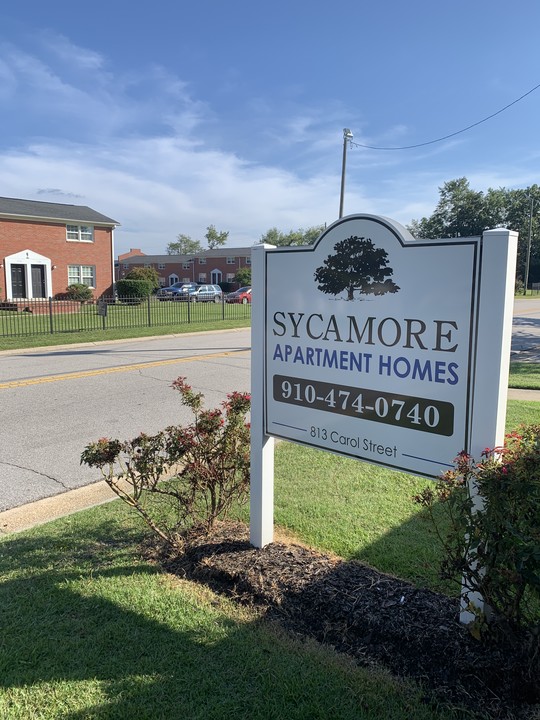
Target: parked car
x=242, y=295
x=176, y=291
x=203, y=293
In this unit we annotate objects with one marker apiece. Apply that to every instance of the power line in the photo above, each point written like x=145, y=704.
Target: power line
x=445, y=137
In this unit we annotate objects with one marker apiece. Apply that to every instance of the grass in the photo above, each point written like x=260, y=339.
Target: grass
x=90, y=630
x=363, y=511
x=91, y=336
x=522, y=411
x=524, y=375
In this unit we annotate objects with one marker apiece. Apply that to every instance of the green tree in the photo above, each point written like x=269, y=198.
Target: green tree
x=356, y=266
x=214, y=238
x=243, y=276
x=273, y=236
x=460, y=212
x=184, y=245
x=150, y=275
x=463, y=212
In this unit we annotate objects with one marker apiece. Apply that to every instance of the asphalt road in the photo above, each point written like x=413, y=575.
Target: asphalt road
x=526, y=330
x=57, y=400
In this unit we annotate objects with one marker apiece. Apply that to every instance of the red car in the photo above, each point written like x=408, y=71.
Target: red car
x=242, y=295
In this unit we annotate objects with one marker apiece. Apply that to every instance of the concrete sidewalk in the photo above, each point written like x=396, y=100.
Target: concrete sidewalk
x=25, y=517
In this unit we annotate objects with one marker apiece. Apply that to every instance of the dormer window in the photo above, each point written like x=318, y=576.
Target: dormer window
x=80, y=233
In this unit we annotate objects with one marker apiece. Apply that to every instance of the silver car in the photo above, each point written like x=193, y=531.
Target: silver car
x=206, y=293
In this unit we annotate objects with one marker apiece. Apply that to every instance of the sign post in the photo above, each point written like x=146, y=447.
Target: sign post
x=380, y=347
x=262, y=445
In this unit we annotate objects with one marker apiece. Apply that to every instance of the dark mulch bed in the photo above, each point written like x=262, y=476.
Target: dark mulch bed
x=376, y=618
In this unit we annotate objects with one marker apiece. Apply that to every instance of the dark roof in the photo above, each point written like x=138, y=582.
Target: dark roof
x=36, y=209
x=175, y=259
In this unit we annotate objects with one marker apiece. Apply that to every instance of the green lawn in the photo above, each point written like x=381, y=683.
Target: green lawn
x=89, y=630
x=92, y=630
x=91, y=336
x=524, y=375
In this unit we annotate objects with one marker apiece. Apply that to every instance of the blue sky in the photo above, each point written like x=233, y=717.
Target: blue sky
x=171, y=116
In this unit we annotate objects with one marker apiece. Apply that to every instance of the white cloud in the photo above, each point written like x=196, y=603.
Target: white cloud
x=70, y=53
x=140, y=149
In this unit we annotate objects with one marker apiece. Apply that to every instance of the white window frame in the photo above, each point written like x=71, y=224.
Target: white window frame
x=248, y=260
x=186, y=265
x=230, y=277
x=231, y=260
x=202, y=278
x=80, y=233
x=202, y=261
x=84, y=273
x=161, y=266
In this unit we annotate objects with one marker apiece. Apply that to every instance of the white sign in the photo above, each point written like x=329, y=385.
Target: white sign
x=377, y=346
x=371, y=342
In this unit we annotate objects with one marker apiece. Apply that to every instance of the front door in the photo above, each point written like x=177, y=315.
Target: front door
x=38, y=281
x=18, y=281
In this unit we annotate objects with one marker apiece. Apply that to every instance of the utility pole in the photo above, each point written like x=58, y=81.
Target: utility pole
x=529, y=242
x=347, y=137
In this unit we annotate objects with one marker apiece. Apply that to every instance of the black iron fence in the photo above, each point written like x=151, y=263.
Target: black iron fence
x=48, y=316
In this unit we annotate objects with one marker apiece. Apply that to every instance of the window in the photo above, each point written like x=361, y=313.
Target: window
x=146, y=265
x=82, y=275
x=230, y=277
x=202, y=277
x=248, y=260
x=125, y=266
x=202, y=261
x=186, y=265
x=80, y=233
x=161, y=266
x=231, y=261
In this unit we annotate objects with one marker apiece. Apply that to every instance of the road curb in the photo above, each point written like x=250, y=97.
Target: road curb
x=42, y=511
x=68, y=346
x=522, y=394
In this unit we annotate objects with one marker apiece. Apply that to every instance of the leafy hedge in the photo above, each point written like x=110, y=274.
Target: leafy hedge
x=134, y=290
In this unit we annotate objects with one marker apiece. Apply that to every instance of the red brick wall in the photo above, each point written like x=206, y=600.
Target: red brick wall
x=214, y=263
x=49, y=239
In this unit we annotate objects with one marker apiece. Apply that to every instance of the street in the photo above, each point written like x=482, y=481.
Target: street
x=57, y=400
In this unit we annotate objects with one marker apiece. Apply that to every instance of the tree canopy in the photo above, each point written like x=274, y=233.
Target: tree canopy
x=356, y=266
x=214, y=238
x=184, y=245
x=148, y=274
x=273, y=236
x=463, y=212
x=243, y=276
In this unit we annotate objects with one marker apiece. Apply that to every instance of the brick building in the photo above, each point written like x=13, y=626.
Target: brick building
x=217, y=267
x=44, y=247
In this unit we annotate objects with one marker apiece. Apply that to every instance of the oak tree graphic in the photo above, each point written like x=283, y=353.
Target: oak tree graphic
x=357, y=265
